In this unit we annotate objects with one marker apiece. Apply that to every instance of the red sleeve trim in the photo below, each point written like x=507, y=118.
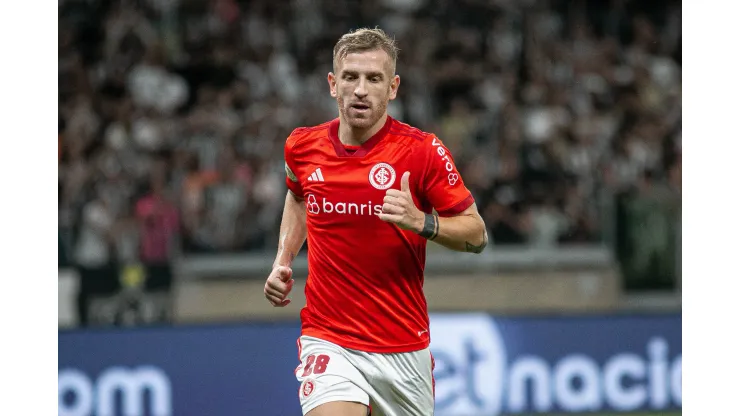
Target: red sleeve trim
x=458, y=208
x=294, y=188
x=298, y=197
x=415, y=136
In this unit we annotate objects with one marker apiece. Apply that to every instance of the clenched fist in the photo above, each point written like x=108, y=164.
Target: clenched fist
x=278, y=286
x=399, y=208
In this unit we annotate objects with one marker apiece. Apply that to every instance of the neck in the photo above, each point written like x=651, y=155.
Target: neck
x=356, y=137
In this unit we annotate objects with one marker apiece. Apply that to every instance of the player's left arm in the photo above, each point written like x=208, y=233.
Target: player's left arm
x=457, y=224
x=463, y=231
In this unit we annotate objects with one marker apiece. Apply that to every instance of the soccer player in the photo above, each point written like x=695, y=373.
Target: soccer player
x=364, y=189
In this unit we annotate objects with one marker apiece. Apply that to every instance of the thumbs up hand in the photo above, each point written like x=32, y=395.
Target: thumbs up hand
x=399, y=208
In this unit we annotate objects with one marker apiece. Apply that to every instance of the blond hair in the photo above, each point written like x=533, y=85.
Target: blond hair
x=365, y=39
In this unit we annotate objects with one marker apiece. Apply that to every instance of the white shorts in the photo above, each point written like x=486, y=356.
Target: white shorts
x=397, y=384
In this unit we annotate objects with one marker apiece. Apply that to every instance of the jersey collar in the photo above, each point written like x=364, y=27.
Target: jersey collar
x=363, y=149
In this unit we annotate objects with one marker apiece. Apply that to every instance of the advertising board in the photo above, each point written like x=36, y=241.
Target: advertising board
x=485, y=366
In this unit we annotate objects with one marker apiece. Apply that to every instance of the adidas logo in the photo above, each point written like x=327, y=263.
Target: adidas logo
x=316, y=176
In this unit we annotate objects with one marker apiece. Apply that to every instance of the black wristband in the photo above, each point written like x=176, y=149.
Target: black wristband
x=431, y=227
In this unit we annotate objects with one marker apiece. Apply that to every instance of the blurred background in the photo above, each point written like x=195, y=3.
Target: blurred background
x=564, y=118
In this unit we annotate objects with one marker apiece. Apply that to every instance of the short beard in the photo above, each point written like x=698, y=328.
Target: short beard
x=364, y=123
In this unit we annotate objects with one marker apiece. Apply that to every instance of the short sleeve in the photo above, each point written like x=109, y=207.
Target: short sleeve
x=443, y=185
x=291, y=179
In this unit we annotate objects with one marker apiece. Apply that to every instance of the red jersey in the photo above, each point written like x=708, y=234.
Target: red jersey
x=366, y=276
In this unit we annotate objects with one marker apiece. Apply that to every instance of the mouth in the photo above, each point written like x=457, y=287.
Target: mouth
x=360, y=107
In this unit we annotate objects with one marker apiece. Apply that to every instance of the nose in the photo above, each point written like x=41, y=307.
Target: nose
x=361, y=88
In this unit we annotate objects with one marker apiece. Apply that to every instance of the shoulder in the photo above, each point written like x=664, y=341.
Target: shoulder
x=406, y=134
x=422, y=144
x=414, y=137
x=302, y=136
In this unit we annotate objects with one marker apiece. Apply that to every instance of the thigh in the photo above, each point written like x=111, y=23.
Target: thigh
x=339, y=409
x=330, y=383
x=407, y=385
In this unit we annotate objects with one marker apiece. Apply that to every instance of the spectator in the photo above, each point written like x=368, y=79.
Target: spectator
x=93, y=253
x=158, y=223
x=220, y=223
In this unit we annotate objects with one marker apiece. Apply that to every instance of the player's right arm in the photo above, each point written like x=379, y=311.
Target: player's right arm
x=292, y=230
x=292, y=235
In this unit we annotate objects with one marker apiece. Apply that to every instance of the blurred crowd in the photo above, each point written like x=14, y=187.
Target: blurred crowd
x=173, y=113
